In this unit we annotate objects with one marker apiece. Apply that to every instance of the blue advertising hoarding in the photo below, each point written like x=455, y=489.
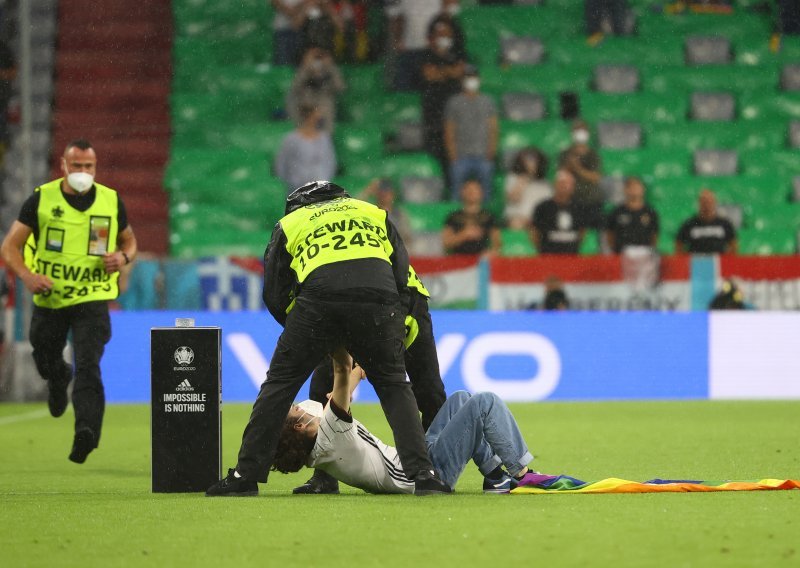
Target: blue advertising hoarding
x=522, y=356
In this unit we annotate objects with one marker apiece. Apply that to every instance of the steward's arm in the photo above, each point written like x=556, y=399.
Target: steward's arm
x=278, y=277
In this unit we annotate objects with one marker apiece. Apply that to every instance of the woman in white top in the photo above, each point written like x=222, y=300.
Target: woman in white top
x=525, y=187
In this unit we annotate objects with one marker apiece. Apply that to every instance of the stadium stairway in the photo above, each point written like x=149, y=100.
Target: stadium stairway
x=113, y=73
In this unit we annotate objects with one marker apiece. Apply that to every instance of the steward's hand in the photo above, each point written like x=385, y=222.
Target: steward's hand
x=114, y=261
x=37, y=283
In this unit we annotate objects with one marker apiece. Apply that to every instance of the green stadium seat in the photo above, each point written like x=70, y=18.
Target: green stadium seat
x=676, y=80
x=197, y=244
x=647, y=163
x=429, y=217
x=715, y=135
x=551, y=136
x=517, y=243
x=397, y=166
x=762, y=242
x=357, y=143
x=188, y=166
x=262, y=138
x=640, y=107
x=590, y=244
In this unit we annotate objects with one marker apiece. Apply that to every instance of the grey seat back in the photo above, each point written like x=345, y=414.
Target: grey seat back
x=716, y=162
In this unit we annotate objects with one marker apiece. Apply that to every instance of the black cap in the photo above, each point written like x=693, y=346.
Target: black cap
x=313, y=192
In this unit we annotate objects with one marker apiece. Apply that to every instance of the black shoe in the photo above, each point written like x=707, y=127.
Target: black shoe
x=320, y=483
x=428, y=483
x=233, y=486
x=57, y=400
x=82, y=446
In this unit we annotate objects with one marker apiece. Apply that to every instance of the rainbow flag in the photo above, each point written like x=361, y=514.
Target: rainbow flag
x=564, y=484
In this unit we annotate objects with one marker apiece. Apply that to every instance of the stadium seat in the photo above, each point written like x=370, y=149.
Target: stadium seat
x=790, y=77
x=516, y=243
x=708, y=50
x=619, y=135
x=796, y=189
x=715, y=162
x=419, y=189
x=551, y=136
x=794, y=134
x=397, y=166
x=523, y=107
x=615, y=79
x=521, y=50
x=713, y=106
x=355, y=143
x=429, y=217
x=408, y=136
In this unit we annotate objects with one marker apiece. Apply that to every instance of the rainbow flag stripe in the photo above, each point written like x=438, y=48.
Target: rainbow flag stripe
x=564, y=484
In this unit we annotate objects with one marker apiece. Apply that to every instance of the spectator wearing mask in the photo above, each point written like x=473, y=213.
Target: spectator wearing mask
x=525, y=187
x=317, y=82
x=318, y=23
x=409, y=38
x=286, y=38
x=583, y=162
x=470, y=135
x=556, y=226
x=449, y=15
x=472, y=229
x=706, y=232
x=634, y=223
x=442, y=73
x=306, y=153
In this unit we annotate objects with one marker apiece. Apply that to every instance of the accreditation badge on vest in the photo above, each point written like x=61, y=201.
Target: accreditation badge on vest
x=99, y=228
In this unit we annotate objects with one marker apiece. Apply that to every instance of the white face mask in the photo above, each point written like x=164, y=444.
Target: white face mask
x=80, y=181
x=314, y=13
x=472, y=84
x=453, y=9
x=444, y=43
x=580, y=136
x=311, y=407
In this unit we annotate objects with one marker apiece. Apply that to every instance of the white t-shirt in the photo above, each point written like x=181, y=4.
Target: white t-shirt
x=533, y=194
x=417, y=15
x=350, y=453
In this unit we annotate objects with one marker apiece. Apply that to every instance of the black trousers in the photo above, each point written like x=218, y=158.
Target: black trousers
x=91, y=330
x=373, y=333
x=422, y=366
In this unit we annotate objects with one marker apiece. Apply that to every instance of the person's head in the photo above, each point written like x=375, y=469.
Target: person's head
x=310, y=115
x=313, y=192
x=563, y=186
x=385, y=195
x=79, y=165
x=316, y=58
x=555, y=298
x=472, y=193
x=296, y=440
x=707, y=204
x=441, y=37
x=530, y=162
x=472, y=81
x=580, y=132
x=451, y=7
x=728, y=298
x=634, y=193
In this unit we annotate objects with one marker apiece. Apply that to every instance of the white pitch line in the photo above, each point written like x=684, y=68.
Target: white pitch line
x=33, y=415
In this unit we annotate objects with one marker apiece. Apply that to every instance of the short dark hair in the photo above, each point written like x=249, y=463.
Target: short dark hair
x=80, y=144
x=293, y=449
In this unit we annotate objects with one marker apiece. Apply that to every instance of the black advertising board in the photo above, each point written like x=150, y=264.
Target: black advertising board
x=185, y=408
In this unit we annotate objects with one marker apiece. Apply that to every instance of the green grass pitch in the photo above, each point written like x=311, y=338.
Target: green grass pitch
x=102, y=514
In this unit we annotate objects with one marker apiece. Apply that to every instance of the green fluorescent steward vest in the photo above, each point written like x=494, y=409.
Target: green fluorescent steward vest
x=334, y=231
x=71, y=246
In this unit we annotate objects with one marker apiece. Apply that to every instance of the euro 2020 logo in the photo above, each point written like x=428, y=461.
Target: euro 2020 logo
x=184, y=356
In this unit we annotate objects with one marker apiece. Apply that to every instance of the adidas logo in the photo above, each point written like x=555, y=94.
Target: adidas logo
x=185, y=386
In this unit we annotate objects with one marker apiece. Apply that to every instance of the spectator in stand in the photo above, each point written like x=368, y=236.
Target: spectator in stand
x=449, y=15
x=382, y=193
x=442, y=73
x=555, y=298
x=583, y=162
x=472, y=229
x=556, y=226
x=706, y=232
x=285, y=38
x=306, y=153
x=409, y=35
x=525, y=187
x=317, y=82
x=595, y=10
x=634, y=223
x=470, y=134
x=318, y=23
x=728, y=298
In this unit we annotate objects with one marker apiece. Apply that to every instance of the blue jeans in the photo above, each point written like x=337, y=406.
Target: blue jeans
x=469, y=167
x=480, y=428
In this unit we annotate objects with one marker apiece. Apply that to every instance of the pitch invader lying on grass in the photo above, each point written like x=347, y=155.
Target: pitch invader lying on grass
x=479, y=428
